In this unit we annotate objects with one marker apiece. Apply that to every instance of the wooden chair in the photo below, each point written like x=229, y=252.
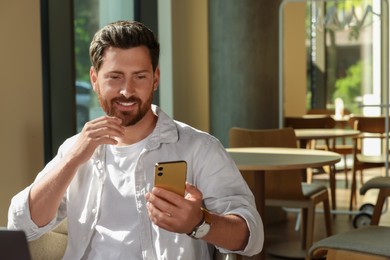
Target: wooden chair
x=312, y=122
x=371, y=128
x=285, y=189
x=324, y=111
x=367, y=243
x=381, y=183
x=345, y=148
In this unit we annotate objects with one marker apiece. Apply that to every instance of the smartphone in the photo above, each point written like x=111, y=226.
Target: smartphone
x=171, y=176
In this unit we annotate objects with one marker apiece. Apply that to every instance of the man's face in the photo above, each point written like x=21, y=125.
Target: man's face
x=125, y=83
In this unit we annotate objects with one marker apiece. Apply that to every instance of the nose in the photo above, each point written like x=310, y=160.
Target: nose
x=127, y=90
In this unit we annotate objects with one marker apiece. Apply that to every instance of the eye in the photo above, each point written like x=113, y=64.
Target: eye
x=141, y=76
x=114, y=77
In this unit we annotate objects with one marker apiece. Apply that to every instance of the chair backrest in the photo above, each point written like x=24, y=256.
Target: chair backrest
x=324, y=111
x=368, y=124
x=370, y=127
x=280, y=184
x=52, y=244
x=310, y=121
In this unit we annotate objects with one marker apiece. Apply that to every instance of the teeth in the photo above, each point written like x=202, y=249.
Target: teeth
x=125, y=104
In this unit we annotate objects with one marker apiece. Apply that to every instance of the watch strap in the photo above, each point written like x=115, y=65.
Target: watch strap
x=206, y=215
x=206, y=220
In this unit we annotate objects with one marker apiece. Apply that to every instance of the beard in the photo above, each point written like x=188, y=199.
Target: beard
x=128, y=118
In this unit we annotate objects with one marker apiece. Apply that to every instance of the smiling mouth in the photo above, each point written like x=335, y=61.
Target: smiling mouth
x=125, y=104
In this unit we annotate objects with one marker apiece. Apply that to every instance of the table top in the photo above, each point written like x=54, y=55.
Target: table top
x=324, y=133
x=343, y=118
x=269, y=158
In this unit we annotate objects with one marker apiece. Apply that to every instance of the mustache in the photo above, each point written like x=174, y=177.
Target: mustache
x=124, y=99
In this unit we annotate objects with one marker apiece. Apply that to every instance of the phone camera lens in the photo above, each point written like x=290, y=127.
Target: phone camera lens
x=160, y=168
x=160, y=174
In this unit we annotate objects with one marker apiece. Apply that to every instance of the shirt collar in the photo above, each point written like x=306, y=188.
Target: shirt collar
x=165, y=130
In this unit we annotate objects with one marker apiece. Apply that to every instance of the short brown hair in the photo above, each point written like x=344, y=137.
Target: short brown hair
x=124, y=35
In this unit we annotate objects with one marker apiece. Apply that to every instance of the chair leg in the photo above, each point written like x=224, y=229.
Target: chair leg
x=304, y=217
x=310, y=226
x=309, y=174
x=352, y=200
x=332, y=181
x=328, y=218
x=346, y=171
x=383, y=194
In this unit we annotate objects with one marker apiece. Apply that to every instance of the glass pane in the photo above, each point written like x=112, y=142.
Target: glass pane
x=89, y=16
x=344, y=50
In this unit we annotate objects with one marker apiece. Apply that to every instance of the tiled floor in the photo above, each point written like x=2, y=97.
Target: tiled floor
x=282, y=234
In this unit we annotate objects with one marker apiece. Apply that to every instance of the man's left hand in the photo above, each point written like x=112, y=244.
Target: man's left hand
x=172, y=212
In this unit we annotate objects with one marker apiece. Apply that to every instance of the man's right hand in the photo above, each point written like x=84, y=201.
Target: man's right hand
x=46, y=194
x=102, y=130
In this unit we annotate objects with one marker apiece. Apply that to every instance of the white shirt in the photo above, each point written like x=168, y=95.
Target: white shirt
x=116, y=235
x=209, y=168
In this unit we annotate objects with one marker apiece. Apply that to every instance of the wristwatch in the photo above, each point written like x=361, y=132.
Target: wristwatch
x=203, y=227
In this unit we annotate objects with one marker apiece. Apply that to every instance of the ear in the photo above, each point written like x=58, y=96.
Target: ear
x=93, y=77
x=156, y=78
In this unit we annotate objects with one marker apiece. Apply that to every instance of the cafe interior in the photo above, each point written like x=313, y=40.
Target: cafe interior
x=297, y=91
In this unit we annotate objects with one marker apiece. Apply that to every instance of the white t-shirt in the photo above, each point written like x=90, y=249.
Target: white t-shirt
x=116, y=235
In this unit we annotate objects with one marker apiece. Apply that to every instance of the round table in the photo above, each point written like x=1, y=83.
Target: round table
x=324, y=133
x=261, y=159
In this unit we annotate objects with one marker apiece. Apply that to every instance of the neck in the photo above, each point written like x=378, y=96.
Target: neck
x=139, y=131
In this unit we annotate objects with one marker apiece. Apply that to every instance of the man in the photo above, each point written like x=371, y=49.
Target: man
x=102, y=180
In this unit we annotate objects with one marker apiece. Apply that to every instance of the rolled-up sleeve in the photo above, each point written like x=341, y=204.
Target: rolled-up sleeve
x=226, y=192
x=19, y=217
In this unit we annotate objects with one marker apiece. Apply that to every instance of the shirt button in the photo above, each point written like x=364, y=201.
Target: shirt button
x=94, y=211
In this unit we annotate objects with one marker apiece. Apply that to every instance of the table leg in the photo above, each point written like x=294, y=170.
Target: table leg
x=332, y=181
x=259, y=193
x=256, y=182
x=305, y=172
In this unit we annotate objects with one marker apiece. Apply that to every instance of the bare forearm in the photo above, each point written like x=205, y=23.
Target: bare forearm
x=230, y=232
x=46, y=195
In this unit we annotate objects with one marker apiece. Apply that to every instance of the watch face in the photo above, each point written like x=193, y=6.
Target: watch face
x=202, y=230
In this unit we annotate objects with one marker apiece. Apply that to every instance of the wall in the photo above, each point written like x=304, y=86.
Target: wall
x=243, y=65
x=21, y=149
x=190, y=62
x=20, y=75
x=294, y=59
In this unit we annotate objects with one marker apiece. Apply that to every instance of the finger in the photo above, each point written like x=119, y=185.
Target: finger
x=193, y=192
x=103, y=128
x=105, y=120
x=168, y=197
x=106, y=123
x=163, y=204
x=103, y=131
x=159, y=218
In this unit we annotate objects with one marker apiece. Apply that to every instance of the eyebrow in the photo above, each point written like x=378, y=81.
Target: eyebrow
x=114, y=71
x=135, y=72
x=141, y=71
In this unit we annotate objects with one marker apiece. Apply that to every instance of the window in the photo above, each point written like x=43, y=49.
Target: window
x=345, y=46
x=67, y=28
x=89, y=16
